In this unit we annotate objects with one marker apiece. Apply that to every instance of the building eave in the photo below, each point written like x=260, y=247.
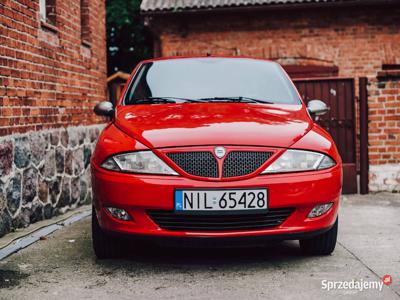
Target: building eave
x=264, y=7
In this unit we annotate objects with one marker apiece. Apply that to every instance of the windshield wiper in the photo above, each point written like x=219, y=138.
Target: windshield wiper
x=236, y=99
x=157, y=100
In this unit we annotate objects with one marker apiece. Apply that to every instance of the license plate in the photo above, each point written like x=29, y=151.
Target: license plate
x=221, y=200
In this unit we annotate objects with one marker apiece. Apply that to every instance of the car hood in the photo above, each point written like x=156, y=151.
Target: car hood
x=192, y=124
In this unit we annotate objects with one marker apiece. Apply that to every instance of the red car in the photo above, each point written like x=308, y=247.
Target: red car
x=214, y=150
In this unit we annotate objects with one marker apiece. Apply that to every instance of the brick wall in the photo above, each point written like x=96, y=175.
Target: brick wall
x=51, y=75
x=384, y=132
x=48, y=77
x=357, y=40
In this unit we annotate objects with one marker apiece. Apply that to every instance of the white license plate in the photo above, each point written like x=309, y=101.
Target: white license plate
x=221, y=200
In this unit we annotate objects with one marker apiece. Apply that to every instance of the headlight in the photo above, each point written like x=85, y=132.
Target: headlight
x=300, y=160
x=138, y=162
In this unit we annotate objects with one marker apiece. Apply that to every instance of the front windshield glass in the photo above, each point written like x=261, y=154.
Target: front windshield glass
x=211, y=79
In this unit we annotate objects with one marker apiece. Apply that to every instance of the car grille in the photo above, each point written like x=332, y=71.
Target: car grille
x=197, y=163
x=171, y=221
x=239, y=163
x=204, y=164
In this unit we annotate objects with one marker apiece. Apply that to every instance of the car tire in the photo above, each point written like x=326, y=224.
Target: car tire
x=322, y=244
x=104, y=245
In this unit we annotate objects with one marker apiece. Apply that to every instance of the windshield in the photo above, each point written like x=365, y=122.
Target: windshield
x=211, y=80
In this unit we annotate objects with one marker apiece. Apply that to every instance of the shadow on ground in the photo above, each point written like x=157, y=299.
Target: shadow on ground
x=10, y=278
x=204, y=258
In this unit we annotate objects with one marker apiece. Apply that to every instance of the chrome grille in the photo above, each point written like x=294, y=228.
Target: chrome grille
x=197, y=163
x=239, y=163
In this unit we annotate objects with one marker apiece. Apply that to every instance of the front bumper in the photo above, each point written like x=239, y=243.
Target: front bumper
x=139, y=193
x=215, y=242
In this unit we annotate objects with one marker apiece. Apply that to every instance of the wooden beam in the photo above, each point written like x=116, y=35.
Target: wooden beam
x=364, y=162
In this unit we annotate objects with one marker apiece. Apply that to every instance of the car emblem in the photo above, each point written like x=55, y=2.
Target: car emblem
x=220, y=152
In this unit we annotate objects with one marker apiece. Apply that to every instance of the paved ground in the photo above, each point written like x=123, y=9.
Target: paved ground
x=64, y=267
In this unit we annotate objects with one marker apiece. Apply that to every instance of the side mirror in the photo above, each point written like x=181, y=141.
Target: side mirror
x=317, y=108
x=104, y=108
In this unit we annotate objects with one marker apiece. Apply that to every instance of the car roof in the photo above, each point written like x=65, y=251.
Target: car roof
x=205, y=56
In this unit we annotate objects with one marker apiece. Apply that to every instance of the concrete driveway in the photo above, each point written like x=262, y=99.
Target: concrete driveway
x=64, y=267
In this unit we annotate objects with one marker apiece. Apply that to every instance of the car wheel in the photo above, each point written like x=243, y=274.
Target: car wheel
x=322, y=244
x=104, y=245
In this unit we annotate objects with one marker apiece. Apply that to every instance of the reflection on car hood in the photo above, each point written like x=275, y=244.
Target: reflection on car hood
x=192, y=124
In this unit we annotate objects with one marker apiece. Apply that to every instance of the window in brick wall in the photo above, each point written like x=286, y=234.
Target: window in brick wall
x=47, y=9
x=85, y=28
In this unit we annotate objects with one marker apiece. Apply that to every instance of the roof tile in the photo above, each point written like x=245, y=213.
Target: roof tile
x=171, y=5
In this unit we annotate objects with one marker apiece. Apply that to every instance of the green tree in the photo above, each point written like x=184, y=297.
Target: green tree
x=128, y=40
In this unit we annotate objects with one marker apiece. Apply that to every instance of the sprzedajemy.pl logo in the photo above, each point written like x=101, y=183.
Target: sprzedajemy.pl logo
x=359, y=285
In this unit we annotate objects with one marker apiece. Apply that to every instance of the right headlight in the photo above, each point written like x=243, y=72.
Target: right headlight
x=145, y=162
x=299, y=160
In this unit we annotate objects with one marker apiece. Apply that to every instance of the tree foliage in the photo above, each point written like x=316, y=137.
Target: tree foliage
x=128, y=40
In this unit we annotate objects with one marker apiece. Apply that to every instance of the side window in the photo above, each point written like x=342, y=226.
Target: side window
x=47, y=9
x=85, y=28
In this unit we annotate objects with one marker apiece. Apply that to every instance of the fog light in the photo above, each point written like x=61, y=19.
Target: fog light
x=119, y=213
x=319, y=210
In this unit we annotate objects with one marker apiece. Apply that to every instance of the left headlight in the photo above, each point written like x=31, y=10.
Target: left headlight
x=300, y=160
x=138, y=162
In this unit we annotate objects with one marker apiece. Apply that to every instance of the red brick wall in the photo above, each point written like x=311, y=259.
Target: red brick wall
x=48, y=77
x=384, y=121
x=357, y=40
x=384, y=131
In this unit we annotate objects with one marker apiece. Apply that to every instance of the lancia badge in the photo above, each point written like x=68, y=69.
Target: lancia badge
x=220, y=152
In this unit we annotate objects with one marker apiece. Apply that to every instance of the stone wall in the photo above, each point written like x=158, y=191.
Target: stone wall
x=44, y=173
x=52, y=73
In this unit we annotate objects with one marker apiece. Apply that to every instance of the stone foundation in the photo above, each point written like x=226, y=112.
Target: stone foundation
x=384, y=178
x=44, y=173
